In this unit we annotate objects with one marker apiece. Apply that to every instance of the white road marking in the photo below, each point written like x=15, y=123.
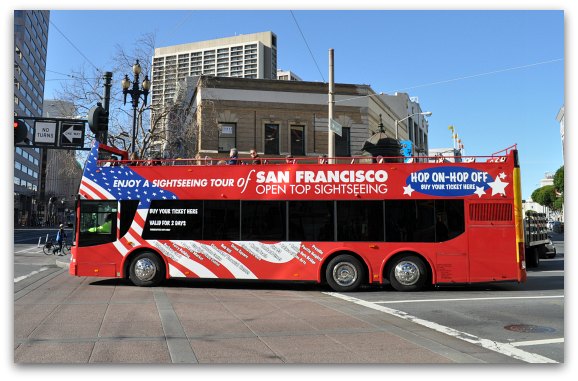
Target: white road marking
x=503, y=348
x=551, y=271
x=537, y=342
x=29, y=249
x=16, y=280
x=467, y=299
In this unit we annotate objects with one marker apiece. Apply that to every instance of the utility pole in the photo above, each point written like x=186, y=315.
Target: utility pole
x=330, y=134
x=103, y=138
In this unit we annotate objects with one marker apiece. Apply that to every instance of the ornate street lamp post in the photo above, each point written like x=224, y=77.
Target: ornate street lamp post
x=135, y=93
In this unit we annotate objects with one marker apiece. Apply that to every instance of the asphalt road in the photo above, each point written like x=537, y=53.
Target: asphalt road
x=61, y=319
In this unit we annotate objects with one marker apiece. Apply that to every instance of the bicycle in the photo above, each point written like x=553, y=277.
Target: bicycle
x=51, y=248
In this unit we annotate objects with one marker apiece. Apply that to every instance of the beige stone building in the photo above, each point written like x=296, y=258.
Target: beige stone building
x=276, y=118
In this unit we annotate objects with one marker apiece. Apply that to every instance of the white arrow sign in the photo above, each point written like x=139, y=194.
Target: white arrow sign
x=72, y=134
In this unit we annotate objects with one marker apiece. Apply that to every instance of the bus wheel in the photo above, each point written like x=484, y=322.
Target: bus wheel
x=146, y=269
x=408, y=273
x=344, y=273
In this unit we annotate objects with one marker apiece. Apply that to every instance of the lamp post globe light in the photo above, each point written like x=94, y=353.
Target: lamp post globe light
x=135, y=92
x=397, y=122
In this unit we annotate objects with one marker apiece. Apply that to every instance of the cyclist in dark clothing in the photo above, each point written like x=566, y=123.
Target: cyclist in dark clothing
x=60, y=237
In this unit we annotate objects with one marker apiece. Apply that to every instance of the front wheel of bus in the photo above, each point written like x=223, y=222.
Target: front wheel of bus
x=344, y=273
x=408, y=273
x=147, y=270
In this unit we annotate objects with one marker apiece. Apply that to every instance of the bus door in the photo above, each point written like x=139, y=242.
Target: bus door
x=451, y=249
x=491, y=241
x=98, y=222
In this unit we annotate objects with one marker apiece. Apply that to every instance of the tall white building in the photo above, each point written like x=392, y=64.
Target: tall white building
x=287, y=75
x=246, y=56
x=560, y=119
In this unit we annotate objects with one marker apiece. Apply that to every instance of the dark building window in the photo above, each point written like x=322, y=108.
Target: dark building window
x=343, y=143
x=271, y=139
x=298, y=140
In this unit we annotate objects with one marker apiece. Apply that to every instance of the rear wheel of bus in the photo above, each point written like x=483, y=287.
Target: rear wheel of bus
x=146, y=269
x=408, y=273
x=344, y=273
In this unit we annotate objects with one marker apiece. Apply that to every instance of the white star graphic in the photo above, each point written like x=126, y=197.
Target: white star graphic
x=502, y=175
x=498, y=186
x=480, y=191
x=408, y=190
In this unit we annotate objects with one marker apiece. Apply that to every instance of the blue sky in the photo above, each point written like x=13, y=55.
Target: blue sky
x=497, y=76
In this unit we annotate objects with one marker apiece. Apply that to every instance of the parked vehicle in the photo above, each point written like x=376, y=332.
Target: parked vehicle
x=558, y=227
x=550, y=250
x=536, y=238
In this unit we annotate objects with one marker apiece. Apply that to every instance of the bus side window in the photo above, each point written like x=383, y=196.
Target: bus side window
x=409, y=221
x=450, y=219
x=97, y=222
x=311, y=221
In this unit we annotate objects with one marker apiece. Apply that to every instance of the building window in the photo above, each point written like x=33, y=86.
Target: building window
x=343, y=143
x=227, y=136
x=271, y=139
x=298, y=140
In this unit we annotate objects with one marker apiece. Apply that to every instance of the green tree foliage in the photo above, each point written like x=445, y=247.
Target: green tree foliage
x=545, y=196
x=559, y=185
x=559, y=180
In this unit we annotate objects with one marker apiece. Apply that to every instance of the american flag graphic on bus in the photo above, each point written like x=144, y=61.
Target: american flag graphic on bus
x=118, y=183
x=184, y=258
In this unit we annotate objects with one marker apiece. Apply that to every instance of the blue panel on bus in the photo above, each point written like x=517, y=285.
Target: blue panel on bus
x=449, y=181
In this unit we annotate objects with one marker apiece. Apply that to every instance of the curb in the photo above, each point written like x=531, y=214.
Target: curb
x=63, y=262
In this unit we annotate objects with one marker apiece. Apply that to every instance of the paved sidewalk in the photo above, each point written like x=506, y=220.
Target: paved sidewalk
x=89, y=320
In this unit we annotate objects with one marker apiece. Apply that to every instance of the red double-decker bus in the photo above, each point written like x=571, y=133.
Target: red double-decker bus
x=411, y=225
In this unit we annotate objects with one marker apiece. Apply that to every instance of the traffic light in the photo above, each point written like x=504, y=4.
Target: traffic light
x=97, y=119
x=20, y=131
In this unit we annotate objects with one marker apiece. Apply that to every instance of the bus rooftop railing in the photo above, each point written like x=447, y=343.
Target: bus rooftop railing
x=494, y=158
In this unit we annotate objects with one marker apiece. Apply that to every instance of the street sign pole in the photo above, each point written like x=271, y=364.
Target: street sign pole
x=330, y=135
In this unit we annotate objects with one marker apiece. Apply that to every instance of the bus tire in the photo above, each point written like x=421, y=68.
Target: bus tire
x=146, y=270
x=344, y=273
x=408, y=273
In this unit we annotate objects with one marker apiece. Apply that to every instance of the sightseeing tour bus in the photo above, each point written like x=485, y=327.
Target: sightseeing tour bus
x=348, y=223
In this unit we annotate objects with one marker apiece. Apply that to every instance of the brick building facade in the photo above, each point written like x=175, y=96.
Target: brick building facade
x=277, y=117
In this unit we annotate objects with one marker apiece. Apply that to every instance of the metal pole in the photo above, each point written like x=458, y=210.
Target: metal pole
x=396, y=128
x=132, y=147
x=330, y=134
x=135, y=94
x=107, y=85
